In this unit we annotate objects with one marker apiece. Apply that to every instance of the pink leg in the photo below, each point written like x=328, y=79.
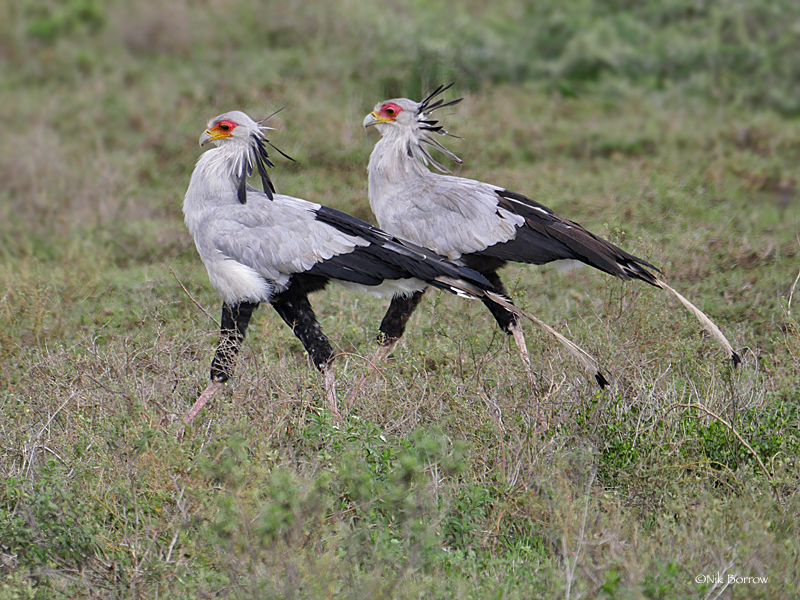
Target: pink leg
x=329, y=378
x=202, y=400
x=519, y=338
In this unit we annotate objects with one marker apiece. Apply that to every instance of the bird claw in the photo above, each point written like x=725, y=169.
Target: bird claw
x=519, y=338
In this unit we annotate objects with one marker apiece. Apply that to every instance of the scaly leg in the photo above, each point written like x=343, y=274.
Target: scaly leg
x=508, y=321
x=232, y=331
x=202, y=400
x=329, y=380
x=519, y=338
x=295, y=309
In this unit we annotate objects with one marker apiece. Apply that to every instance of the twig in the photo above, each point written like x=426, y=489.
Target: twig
x=724, y=587
x=581, y=542
x=738, y=437
x=381, y=353
x=794, y=285
x=6, y=375
x=171, y=547
x=188, y=295
x=791, y=294
x=41, y=431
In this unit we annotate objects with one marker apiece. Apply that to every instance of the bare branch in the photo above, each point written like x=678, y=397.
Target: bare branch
x=196, y=303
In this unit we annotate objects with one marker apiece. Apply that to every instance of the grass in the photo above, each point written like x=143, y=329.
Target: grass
x=654, y=127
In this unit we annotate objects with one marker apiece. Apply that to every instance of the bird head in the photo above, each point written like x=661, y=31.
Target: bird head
x=233, y=127
x=410, y=122
x=236, y=131
x=398, y=112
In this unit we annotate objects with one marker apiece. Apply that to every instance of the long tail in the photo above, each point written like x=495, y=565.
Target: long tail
x=547, y=237
x=583, y=357
x=706, y=322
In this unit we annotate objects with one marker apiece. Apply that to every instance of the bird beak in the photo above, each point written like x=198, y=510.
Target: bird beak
x=373, y=119
x=206, y=137
x=212, y=135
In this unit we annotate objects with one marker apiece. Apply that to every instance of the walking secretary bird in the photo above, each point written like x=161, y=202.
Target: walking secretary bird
x=476, y=224
x=260, y=246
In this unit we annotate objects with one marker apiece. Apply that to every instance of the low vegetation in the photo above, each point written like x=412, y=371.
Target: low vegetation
x=669, y=128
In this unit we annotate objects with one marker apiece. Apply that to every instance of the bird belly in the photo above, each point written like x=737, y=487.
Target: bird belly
x=567, y=264
x=390, y=287
x=236, y=282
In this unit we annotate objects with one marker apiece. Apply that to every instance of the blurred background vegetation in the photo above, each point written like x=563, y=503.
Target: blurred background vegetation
x=108, y=91
x=669, y=126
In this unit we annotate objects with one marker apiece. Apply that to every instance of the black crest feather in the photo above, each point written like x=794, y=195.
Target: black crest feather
x=428, y=105
x=262, y=162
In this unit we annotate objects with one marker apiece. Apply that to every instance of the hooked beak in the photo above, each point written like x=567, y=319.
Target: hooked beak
x=206, y=137
x=373, y=119
x=211, y=135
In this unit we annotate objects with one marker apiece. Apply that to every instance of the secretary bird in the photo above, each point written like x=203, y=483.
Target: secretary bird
x=476, y=224
x=260, y=246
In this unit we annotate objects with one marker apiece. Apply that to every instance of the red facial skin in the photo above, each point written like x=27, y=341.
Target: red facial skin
x=390, y=110
x=226, y=126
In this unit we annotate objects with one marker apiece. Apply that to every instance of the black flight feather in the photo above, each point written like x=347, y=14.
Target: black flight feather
x=442, y=104
x=398, y=259
x=263, y=162
x=281, y=152
x=426, y=107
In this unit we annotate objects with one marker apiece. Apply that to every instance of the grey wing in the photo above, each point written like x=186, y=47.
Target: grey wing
x=450, y=215
x=278, y=238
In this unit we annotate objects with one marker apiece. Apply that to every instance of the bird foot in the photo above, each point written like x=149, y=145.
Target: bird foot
x=202, y=400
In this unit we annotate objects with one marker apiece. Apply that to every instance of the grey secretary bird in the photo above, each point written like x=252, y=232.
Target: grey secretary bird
x=473, y=223
x=260, y=246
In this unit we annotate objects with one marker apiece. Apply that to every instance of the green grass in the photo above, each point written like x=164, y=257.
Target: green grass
x=670, y=129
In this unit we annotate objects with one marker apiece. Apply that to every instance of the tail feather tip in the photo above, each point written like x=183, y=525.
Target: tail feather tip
x=601, y=380
x=737, y=360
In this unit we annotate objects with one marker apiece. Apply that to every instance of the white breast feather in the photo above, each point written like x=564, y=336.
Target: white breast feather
x=236, y=282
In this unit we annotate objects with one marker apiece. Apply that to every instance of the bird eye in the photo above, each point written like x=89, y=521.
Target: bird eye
x=224, y=127
x=389, y=111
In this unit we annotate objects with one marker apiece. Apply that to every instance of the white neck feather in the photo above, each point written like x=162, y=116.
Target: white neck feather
x=395, y=160
x=213, y=182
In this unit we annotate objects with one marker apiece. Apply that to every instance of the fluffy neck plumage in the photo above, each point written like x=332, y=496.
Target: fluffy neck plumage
x=214, y=181
x=395, y=158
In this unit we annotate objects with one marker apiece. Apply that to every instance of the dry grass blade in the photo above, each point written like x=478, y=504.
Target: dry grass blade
x=738, y=436
x=791, y=294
